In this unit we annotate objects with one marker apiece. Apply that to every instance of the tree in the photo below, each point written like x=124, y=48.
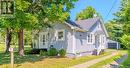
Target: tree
x=123, y=18
x=125, y=40
x=123, y=15
x=87, y=13
x=5, y=25
x=46, y=11
x=23, y=20
x=31, y=14
x=115, y=30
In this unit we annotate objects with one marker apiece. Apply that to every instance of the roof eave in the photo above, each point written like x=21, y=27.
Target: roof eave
x=79, y=29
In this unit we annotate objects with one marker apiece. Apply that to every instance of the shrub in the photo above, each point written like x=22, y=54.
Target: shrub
x=52, y=52
x=42, y=52
x=62, y=53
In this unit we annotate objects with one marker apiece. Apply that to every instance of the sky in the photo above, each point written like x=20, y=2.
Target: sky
x=102, y=6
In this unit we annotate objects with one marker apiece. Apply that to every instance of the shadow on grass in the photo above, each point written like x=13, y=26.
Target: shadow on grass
x=5, y=58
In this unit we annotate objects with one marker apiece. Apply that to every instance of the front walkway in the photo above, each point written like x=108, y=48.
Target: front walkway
x=89, y=63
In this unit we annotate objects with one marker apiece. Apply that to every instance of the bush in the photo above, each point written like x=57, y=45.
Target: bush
x=52, y=52
x=42, y=52
x=62, y=53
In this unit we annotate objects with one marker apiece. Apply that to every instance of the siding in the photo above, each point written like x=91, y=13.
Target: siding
x=81, y=39
x=81, y=43
x=59, y=44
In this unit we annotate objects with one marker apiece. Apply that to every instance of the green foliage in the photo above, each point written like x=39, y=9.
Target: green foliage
x=51, y=11
x=87, y=13
x=126, y=63
x=125, y=40
x=62, y=53
x=52, y=52
x=123, y=15
x=115, y=30
x=43, y=53
x=119, y=27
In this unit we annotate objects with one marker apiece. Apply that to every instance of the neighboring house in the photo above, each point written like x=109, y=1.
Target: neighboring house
x=80, y=38
x=113, y=44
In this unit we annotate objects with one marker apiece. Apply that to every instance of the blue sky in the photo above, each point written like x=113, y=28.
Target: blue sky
x=101, y=6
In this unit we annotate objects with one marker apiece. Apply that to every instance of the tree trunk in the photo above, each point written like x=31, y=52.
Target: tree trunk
x=8, y=39
x=21, y=42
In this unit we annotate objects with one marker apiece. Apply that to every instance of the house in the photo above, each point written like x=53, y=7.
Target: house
x=78, y=38
x=113, y=44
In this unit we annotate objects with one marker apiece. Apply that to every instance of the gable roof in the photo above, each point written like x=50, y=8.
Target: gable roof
x=72, y=23
x=87, y=23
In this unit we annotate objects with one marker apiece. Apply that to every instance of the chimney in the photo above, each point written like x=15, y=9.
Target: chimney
x=95, y=15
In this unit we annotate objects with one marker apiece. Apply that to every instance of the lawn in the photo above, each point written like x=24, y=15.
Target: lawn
x=126, y=63
x=37, y=61
x=109, y=60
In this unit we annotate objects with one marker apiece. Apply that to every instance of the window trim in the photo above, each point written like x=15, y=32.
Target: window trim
x=90, y=40
x=41, y=38
x=58, y=36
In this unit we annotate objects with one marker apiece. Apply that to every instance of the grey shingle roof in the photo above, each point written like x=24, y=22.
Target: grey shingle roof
x=87, y=23
x=72, y=23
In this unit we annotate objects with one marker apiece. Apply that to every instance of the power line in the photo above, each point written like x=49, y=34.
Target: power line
x=114, y=3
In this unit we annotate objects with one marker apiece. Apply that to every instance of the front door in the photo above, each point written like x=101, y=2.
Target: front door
x=43, y=41
x=97, y=41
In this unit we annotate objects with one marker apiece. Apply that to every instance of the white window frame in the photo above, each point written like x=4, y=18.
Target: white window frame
x=63, y=35
x=41, y=38
x=91, y=38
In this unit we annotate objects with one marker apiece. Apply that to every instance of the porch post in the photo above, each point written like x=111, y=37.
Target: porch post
x=74, y=41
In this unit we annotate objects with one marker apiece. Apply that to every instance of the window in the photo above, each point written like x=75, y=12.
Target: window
x=103, y=39
x=7, y=6
x=90, y=38
x=43, y=39
x=61, y=35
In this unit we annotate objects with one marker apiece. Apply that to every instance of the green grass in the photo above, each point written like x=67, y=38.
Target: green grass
x=126, y=63
x=2, y=47
x=105, y=62
x=37, y=61
x=109, y=60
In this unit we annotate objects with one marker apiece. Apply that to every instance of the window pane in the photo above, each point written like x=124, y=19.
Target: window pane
x=10, y=7
x=43, y=39
x=88, y=38
x=91, y=37
x=60, y=35
x=3, y=7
